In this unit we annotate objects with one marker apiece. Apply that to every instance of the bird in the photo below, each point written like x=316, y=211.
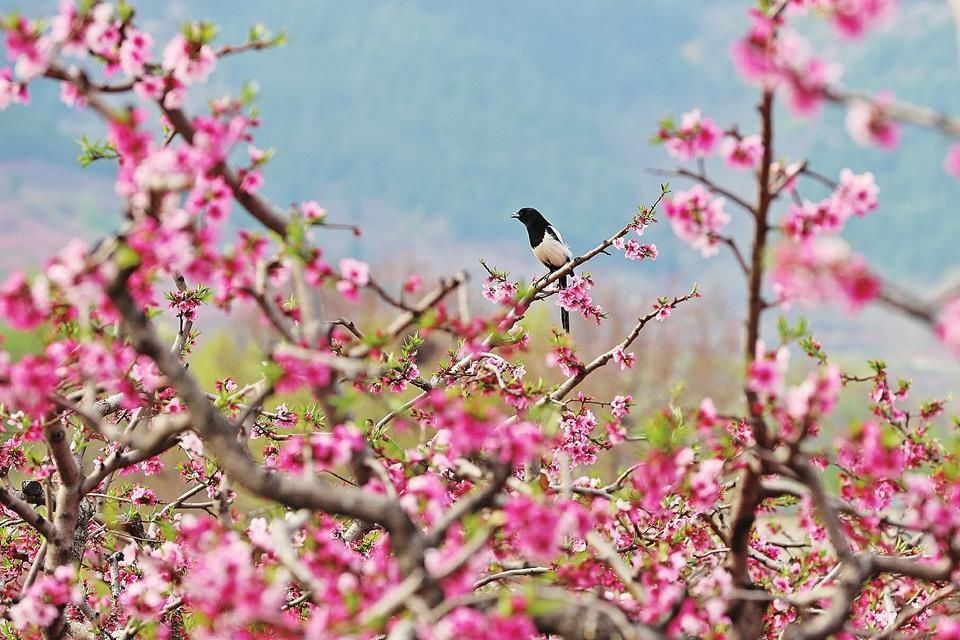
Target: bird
x=548, y=247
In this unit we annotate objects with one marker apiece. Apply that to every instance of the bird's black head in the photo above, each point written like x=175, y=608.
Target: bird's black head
x=530, y=216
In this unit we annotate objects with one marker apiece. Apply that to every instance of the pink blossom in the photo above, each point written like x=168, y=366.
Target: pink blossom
x=251, y=181
x=39, y=605
x=412, y=284
x=11, y=92
x=312, y=211
x=951, y=163
x=135, y=51
x=808, y=219
x=697, y=217
x=31, y=51
x=212, y=195
x=948, y=628
x=566, y=359
x=707, y=416
x=71, y=96
x=354, y=275
x=620, y=406
x=853, y=17
x=868, y=123
x=189, y=63
x=27, y=382
x=519, y=443
x=143, y=496
x=755, y=55
x=742, y=153
x=857, y=193
x=575, y=297
x=766, y=374
x=662, y=310
x=817, y=395
x=355, y=271
x=657, y=476
x=327, y=450
x=297, y=373
x=705, y=485
x=695, y=137
x=854, y=195
x=464, y=622
x=149, y=87
x=633, y=250
x=871, y=453
x=807, y=84
x=24, y=304
x=538, y=528
x=625, y=360
x=948, y=326
x=103, y=33
x=499, y=290
x=820, y=270
x=62, y=32
x=575, y=438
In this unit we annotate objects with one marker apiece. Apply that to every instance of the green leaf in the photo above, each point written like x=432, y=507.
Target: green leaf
x=249, y=92
x=126, y=257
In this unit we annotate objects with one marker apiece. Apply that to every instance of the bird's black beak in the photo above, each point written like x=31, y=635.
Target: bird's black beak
x=515, y=216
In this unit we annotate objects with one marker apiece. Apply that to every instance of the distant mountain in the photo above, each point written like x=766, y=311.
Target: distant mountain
x=444, y=117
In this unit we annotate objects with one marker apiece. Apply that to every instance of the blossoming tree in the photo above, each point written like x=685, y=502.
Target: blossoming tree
x=486, y=516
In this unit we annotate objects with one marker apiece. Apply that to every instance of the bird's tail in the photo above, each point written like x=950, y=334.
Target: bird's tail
x=564, y=314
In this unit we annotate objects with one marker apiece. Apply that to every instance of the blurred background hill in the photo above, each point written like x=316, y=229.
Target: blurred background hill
x=428, y=122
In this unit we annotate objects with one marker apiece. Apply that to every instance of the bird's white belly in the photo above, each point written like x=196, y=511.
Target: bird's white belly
x=551, y=252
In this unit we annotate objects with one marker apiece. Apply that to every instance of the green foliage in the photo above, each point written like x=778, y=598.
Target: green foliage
x=200, y=33
x=91, y=151
x=20, y=343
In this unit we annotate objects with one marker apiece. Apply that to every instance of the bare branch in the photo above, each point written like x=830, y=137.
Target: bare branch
x=905, y=112
x=26, y=512
x=680, y=172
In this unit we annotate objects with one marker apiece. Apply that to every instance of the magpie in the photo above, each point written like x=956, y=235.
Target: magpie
x=549, y=248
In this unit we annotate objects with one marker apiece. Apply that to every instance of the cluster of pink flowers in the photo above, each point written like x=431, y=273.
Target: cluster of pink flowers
x=575, y=438
x=28, y=48
x=464, y=622
x=644, y=541
x=659, y=475
x=765, y=376
x=297, y=372
x=396, y=378
x=538, y=529
x=869, y=123
x=326, y=450
x=820, y=270
x=354, y=275
x=38, y=607
x=500, y=290
x=312, y=211
x=565, y=358
x=851, y=18
x=633, y=250
x=135, y=51
x=625, y=360
x=696, y=137
x=576, y=297
x=774, y=57
x=816, y=396
x=11, y=92
x=742, y=152
x=188, y=62
x=855, y=195
x=697, y=217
